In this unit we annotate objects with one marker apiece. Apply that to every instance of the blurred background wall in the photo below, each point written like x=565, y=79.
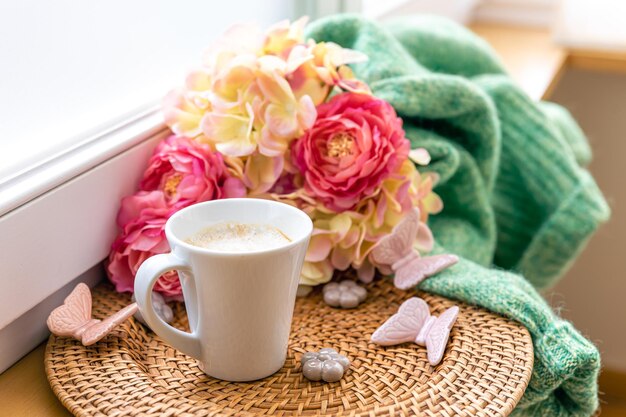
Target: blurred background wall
x=592, y=293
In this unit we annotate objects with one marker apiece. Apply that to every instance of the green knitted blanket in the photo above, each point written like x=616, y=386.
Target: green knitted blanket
x=519, y=204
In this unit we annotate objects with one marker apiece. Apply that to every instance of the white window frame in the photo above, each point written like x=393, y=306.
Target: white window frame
x=531, y=13
x=58, y=223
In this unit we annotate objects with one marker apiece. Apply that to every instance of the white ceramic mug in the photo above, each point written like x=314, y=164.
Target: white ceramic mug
x=240, y=304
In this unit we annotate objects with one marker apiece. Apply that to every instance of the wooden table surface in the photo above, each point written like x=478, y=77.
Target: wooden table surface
x=533, y=61
x=528, y=54
x=24, y=389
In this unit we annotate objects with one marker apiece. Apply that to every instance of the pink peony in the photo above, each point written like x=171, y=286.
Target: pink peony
x=142, y=218
x=356, y=142
x=189, y=172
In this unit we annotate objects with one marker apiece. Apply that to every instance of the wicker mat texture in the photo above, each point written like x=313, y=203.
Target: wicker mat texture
x=132, y=372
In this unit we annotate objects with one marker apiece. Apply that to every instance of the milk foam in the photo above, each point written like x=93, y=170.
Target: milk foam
x=239, y=237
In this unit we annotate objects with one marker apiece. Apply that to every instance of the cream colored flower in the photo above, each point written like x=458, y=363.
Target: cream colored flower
x=344, y=240
x=257, y=92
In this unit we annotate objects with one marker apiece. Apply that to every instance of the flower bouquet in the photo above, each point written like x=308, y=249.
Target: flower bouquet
x=276, y=116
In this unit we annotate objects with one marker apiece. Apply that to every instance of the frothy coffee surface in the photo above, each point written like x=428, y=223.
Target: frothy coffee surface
x=238, y=237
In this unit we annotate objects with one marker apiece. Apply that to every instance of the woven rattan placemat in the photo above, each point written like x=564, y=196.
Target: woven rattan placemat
x=485, y=370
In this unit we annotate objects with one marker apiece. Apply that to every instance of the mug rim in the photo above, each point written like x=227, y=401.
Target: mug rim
x=171, y=236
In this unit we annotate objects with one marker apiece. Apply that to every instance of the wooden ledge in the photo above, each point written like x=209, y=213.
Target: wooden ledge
x=536, y=63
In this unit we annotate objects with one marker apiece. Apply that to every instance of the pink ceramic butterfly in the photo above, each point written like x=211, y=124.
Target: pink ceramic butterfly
x=74, y=319
x=413, y=323
x=396, y=251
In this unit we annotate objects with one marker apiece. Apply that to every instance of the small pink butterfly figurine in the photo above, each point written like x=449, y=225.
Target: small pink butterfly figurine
x=74, y=319
x=396, y=250
x=413, y=323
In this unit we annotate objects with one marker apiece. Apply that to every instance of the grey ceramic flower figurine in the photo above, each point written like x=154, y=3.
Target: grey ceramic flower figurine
x=346, y=294
x=326, y=365
x=160, y=307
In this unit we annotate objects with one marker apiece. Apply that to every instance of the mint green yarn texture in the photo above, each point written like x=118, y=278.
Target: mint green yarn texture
x=519, y=204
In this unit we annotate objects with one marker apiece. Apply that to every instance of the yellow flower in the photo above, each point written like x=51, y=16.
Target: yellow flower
x=258, y=172
x=285, y=117
x=184, y=108
x=283, y=36
x=232, y=132
x=324, y=68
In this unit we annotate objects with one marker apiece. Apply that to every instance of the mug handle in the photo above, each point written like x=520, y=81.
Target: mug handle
x=147, y=275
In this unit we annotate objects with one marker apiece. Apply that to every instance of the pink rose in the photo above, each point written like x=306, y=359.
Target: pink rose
x=356, y=142
x=142, y=218
x=188, y=172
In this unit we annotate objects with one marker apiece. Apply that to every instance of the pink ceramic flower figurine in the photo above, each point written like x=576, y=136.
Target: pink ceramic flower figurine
x=189, y=172
x=355, y=144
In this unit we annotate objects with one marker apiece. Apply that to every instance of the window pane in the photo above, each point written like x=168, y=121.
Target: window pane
x=68, y=67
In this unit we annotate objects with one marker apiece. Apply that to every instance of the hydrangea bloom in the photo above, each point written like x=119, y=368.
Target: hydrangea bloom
x=343, y=240
x=255, y=93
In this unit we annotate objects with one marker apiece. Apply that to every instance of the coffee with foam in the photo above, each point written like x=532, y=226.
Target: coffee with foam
x=239, y=237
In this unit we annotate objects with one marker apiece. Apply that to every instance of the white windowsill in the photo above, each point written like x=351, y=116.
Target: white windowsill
x=33, y=181
x=50, y=216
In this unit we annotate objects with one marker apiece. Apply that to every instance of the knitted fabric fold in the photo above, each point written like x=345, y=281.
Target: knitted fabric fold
x=519, y=206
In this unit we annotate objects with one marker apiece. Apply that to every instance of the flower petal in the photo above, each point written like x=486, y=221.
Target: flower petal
x=420, y=156
x=319, y=248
